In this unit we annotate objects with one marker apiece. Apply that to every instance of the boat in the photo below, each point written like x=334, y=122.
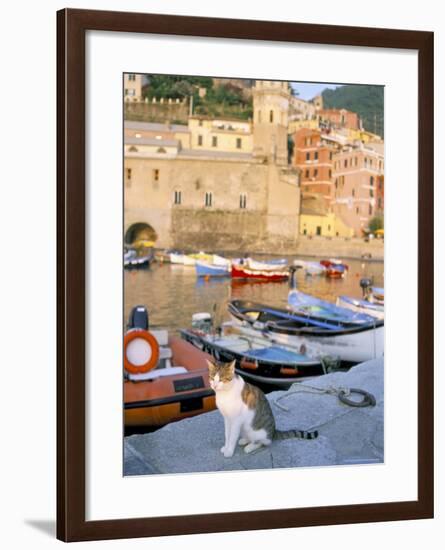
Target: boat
x=257, y=358
x=205, y=269
x=191, y=259
x=271, y=265
x=362, y=306
x=133, y=261
x=350, y=342
x=241, y=271
x=165, y=377
x=176, y=258
x=316, y=308
x=335, y=269
x=219, y=260
x=310, y=268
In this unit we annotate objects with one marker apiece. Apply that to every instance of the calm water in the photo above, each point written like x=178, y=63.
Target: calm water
x=173, y=293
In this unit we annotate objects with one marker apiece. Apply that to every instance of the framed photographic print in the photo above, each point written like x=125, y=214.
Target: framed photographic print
x=235, y=199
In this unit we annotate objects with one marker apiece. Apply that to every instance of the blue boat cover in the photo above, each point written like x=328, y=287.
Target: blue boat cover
x=278, y=355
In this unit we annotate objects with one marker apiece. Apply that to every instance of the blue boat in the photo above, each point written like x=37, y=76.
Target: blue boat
x=204, y=269
x=317, y=308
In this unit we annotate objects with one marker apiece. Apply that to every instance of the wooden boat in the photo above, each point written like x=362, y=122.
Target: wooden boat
x=257, y=358
x=350, y=342
x=241, y=271
x=165, y=377
x=204, y=269
x=362, y=306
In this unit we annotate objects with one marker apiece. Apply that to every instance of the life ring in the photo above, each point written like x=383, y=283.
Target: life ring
x=152, y=353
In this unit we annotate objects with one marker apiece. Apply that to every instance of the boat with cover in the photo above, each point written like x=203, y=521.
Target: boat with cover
x=362, y=306
x=165, y=377
x=257, y=358
x=349, y=341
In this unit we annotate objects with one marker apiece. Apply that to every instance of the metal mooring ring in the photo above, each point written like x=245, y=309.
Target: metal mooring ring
x=367, y=401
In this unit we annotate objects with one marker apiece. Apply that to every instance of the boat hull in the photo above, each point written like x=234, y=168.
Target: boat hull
x=241, y=272
x=362, y=306
x=166, y=399
x=204, y=269
x=350, y=343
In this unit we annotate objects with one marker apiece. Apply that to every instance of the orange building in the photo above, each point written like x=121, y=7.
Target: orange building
x=340, y=118
x=314, y=159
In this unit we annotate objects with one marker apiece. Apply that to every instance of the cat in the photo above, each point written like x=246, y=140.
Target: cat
x=246, y=411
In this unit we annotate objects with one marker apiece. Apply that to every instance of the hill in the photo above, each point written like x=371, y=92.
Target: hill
x=367, y=101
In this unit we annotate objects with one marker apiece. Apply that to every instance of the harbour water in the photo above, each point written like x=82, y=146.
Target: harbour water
x=172, y=293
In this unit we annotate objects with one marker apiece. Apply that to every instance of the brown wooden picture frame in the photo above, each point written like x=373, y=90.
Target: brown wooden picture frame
x=71, y=263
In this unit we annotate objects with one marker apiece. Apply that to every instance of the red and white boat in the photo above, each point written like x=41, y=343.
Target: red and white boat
x=241, y=271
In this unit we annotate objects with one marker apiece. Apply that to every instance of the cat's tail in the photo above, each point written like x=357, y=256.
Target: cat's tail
x=300, y=434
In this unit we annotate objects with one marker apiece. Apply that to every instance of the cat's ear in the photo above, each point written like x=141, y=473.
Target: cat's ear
x=210, y=365
x=232, y=366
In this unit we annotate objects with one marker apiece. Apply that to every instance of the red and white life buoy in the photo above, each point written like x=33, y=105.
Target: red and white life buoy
x=141, y=351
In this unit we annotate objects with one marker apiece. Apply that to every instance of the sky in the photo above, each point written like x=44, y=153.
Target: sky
x=307, y=90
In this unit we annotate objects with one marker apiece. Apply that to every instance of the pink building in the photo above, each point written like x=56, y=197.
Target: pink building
x=357, y=173
x=340, y=118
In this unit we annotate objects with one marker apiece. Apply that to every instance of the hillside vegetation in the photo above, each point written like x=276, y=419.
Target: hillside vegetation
x=367, y=101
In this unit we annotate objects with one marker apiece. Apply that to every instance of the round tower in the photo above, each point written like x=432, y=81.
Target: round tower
x=270, y=120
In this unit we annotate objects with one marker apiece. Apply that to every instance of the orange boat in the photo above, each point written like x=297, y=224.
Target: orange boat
x=165, y=378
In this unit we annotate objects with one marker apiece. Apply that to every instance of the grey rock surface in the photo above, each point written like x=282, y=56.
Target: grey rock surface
x=348, y=435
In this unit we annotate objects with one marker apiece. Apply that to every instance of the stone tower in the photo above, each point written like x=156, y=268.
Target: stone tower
x=270, y=120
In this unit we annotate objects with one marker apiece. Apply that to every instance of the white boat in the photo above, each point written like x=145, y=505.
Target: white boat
x=220, y=261
x=274, y=265
x=176, y=258
x=354, y=343
x=362, y=306
x=310, y=268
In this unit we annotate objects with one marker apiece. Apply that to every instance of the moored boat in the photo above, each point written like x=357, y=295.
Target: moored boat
x=133, y=261
x=335, y=269
x=257, y=358
x=205, y=269
x=350, y=342
x=165, y=377
x=241, y=271
x=362, y=306
x=271, y=265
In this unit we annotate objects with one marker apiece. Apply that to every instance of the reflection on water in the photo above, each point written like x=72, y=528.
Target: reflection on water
x=173, y=293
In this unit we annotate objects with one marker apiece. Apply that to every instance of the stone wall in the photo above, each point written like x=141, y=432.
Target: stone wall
x=157, y=112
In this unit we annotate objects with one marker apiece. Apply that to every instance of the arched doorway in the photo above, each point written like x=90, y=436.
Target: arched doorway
x=140, y=231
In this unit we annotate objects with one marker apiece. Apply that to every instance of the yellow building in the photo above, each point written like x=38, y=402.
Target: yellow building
x=325, y=225
x=220, y=134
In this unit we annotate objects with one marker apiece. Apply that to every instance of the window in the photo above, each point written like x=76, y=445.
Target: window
x=370, y=209
x=308, y=156
x=128, y=172
x=316, y=155
x=345, y=163
x=318, y=230
x=355, y=161
x=238, y=143
x=371, y=181
x=156, y=174
x=371, y=193
x=370, y=162
x=366, y=162
x=315, y=173
x=243, y=201
x=131, y=77
x=330, y=174
x=200, y=122
x=259, y=116
x=353, y=192
x=271, y=116
x=379, y=203
x=208, y=199
x=307, y=174
x=214, y=141
x=330, y=155
x=357, y=210
x=199, y=140
x=178, y=197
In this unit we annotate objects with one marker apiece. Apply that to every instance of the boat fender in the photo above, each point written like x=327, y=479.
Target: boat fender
x=248, y=365
x=144, y=358
x=367, y=401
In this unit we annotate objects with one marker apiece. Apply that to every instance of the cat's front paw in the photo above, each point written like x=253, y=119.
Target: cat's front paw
x=243, y=441
x=228, y=453
x=223, y=449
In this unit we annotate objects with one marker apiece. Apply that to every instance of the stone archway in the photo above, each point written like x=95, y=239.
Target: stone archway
x=140, y=231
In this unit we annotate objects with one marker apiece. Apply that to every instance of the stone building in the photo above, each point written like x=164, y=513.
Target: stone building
x=215, y=184
x=132, y=87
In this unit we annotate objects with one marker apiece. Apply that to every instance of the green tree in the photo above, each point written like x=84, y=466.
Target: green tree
x=375, y=224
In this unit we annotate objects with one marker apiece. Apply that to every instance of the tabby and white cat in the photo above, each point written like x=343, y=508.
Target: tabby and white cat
x=246, y=411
